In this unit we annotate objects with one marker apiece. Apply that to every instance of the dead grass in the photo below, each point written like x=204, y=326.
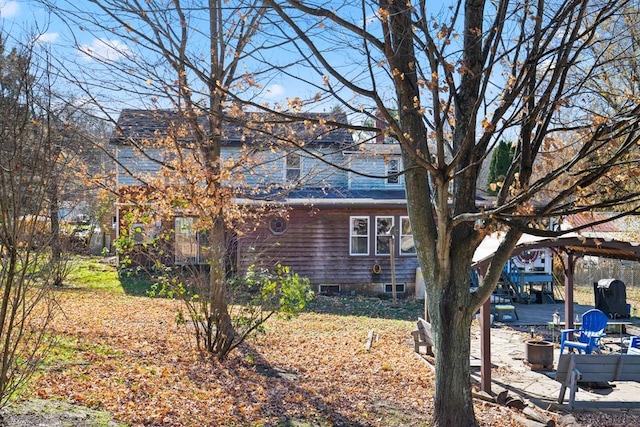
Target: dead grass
x=139, y=365
x=135, y=362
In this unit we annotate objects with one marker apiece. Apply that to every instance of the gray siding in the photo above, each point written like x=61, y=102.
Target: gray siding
x=370, y=165
x=265, y=168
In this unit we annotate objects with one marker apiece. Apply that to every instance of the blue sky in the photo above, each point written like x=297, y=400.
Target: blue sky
x=24, y=18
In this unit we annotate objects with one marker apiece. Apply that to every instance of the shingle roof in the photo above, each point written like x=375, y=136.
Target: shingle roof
x=337, y=195
x=151, y=126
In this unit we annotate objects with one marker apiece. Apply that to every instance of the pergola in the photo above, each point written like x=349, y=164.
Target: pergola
x=572, y=246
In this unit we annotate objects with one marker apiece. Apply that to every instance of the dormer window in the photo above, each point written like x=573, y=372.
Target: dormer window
x=292, y=166
x=393, y=167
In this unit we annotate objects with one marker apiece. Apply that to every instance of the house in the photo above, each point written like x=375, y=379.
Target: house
x=332, y=225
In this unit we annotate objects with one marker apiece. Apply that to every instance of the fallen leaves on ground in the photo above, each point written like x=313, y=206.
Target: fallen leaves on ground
x=131, y=358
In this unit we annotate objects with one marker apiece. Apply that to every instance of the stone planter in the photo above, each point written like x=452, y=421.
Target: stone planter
x=539, y=354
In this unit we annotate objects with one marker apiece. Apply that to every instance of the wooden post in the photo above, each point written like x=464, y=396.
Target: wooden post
x=392, y=251
x=569, y=267
x=485, y=346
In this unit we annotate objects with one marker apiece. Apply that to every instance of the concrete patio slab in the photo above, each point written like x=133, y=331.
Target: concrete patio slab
x=510, y=372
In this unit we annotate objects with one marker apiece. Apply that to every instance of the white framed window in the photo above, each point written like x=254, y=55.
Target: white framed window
x=191, y=244
x=138, y=233
x=144, y=233
x=186, y=241
x=384, y=242
x=393, y=167
x=407, y=246
x=293, y=164
x=359, y=235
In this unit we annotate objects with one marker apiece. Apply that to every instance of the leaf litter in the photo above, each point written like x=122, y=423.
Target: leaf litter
x=137, y=364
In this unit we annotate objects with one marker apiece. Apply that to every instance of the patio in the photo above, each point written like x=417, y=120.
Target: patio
x=540, y=317
x=511, y=372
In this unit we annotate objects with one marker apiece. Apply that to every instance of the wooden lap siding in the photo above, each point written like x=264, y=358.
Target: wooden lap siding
x=316, y=245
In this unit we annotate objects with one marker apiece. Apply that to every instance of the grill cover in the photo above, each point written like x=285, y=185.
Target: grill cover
x=611, y=298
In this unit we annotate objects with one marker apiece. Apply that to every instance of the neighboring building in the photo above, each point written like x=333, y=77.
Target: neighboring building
x=336, y=229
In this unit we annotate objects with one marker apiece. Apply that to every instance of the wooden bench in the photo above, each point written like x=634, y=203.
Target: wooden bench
x=574, y=368
x=423, y=337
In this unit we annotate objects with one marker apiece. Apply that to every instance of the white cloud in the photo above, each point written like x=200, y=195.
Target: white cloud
x=9, y=9
x=47, y=38
x=273, y=91
x=104, y=50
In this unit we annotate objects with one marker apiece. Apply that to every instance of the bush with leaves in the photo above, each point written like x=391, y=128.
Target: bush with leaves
x=254, y=297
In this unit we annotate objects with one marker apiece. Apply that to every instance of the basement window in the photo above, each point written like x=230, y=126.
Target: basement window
x=329, y=289
x=388, y=288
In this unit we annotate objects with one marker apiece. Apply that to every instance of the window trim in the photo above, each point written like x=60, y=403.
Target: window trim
x=201, y=237
x=273, y=227
x=392, y=240
x=144, y=233
x=288, y=168
x=329, y=289
x=138, y=234
x=401, y=235
x=352, y=235
x=394, y=180
x=182, y=259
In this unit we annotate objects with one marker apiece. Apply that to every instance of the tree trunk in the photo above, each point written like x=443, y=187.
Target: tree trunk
x=55, y=242
x=452, y=399
x=224, y=336
x=444, y=254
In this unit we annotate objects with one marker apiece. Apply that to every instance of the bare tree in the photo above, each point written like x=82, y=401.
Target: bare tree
x=461, y=79
x=616, y=87
x=449, y=83
x=27, y=266
x=183, y=59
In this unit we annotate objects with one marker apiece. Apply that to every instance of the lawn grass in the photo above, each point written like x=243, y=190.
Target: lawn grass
x=93, y=273
x=127, y=355
x=99, y=273
x=66, y=349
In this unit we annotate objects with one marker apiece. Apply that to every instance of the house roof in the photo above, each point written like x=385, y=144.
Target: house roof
x=345, y=196
x=337, y=196
x=154, y=126
x=605, y=226
x=330, y=196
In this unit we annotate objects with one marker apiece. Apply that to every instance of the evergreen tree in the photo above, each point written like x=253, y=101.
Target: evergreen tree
x=500, y=162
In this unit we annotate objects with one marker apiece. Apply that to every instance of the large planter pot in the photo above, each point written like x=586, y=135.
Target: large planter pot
x=539, y=354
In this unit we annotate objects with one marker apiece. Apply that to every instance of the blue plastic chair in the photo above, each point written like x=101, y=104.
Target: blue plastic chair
x=634, y=346
x=594, y=323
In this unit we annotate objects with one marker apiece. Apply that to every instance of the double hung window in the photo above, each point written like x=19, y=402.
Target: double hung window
x=292, y=166
x=359, y=235
x=393, y=167
x=384, y=240
x=407, y=247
